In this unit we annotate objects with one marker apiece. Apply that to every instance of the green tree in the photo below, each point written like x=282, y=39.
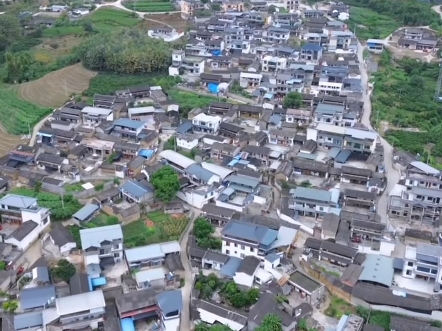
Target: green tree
x=64, y=270
x=88, y=27
x=270, y=322
x=293, y=100
x=302, y=324
x=203, y=231
x=271, y=9
x=305, y=183
x=10, y=306
x=10, y=31
x=17, y=65
x=166, y=183
x=37, y=187
x=2, y=265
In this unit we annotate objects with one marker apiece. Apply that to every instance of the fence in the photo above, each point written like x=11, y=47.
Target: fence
x=92, y=192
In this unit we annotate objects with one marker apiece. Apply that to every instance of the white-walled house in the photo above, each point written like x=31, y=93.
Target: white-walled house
x=198, y=197
x=62, y=239
x=206, y=123
x=32, y=218
x=245, y=275
x=187, y=141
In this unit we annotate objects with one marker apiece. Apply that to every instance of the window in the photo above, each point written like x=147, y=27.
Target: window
x=242, y=255
x=227, y=252
x=116, y=246
x=227, y=243
x=116, y=255
x=243, y=247
x=236, y=245
x=251, y=249
x=410, y=264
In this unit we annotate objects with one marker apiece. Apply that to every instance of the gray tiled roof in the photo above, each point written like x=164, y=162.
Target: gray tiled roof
x=36, y=296
x=17, y=201
x=93, y=237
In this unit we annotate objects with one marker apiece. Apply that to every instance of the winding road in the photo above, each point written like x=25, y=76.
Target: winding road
x=392, y=174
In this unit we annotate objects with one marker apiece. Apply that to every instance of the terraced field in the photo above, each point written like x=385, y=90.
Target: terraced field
x=9, y=141
x=54, y=89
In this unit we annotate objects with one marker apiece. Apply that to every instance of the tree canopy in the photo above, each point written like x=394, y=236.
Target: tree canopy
x=293, y=100
x=64, y=270
x=270, y=322
x=203, y=231
x=166, y=183
x=10, y=31
x=130, y=51
x=408, y=12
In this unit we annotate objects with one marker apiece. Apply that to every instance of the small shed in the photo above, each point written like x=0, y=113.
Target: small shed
x=86, y=213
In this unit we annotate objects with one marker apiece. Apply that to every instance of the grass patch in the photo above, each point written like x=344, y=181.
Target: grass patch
x=370, y=24
x=104, y=83
x=77, y=187
x=188, y=101
x=62, y=31
x=162, y=228
x=339, y=307
x=17, y=115
x=109, y=19
x=75, y=231
x=149, y=6
x=101, y=220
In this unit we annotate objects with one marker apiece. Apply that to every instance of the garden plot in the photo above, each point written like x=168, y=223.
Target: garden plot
x=155, y=228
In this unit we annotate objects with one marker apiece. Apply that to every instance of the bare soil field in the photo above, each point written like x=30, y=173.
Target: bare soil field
x=174, y=20
x=54, y=89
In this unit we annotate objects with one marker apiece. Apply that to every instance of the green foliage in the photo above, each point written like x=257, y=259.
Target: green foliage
x=403, y=96
x=271, y=322
x=406, y=12
x=207, y=285
x=2, y=265
x=166, y=183
x=10, y=31
x=339, y=307
x=18, y=115
x=436, y=324
x=293, y=100
x=53, y=202
x=305, y=183
x=102, y=220
x=188, y=101
x=206, y=327
x=215, y=6
x=302, y=324
x=203, y=232
x=111, y=19
x=137, y=234
x=10, y=306
x=375, y=317
x=105, y=83
x=117, y=181
x=75, y=232
x=170, y=144
x=238, y=298
x=64, y=270
x=149, y=6
x=370, y=24
x=125, y=52
x=99, y=187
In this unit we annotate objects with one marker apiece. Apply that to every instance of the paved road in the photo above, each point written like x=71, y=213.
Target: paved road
x=392, y=174
x=186, y=289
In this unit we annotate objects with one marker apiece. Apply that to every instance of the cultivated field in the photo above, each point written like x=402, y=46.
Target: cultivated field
x=173, y=20
x=55, y=88
x=55, y=48
x=8, y=141
x=149, y=5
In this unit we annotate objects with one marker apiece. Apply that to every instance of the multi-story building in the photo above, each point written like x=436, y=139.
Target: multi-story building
x=340, y=40
x=418, y=204
x=95, y=115
x=17, y=209
x=273, y=63
x=357, y=140
x=291, y=4
x=276, y=35
x=250, y=79
x=284, y=137
x=329, y=114
x=283, y=83
x=101, y=246
x=187, y=64
x=127, y=128
x=313, y=202
x=206, y=123
x=422, y=175
x=311, y=53
x=189, y=7
x=423, y=261
x=241, y=239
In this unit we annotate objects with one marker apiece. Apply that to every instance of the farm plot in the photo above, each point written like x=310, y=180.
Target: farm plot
x=173, y=19
x=18, y=116
x=109, y=19
x=157, y=227
x=55, y=88
x=149, y=6
x=8, y=141
x=52, y=49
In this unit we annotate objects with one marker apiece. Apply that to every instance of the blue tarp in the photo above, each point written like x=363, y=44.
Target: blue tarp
x=147, y=153
x=127, y=324
x=213, y=88
x=217, y=53
x=99, y=282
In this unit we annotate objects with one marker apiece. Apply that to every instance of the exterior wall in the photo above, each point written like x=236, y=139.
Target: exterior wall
x=230, y=206
x=65, y=249
x=240, y=251
x=27, y=241
x=183, y=143
x=212, y=318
